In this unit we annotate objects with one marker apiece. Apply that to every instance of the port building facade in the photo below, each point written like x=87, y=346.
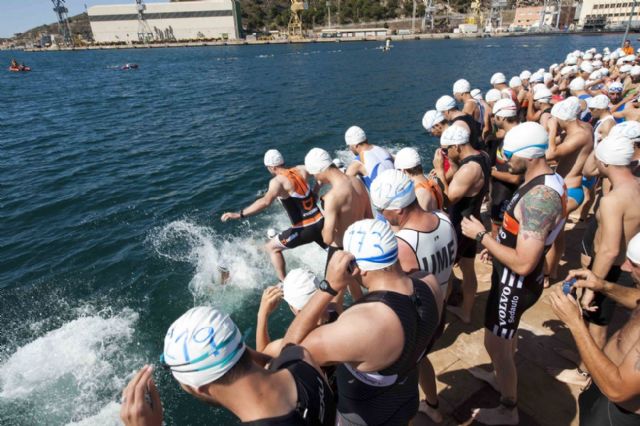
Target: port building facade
x=609, y=14
x=165, y=22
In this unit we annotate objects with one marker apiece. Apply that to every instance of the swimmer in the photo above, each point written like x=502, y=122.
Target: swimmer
x=471, y=106
x=398, y=317
x=345, y=203
x=370, y=159
x=499, y=82
x=291, y=187
x=446, y=105
x=533, y=218
x=571, y=156
x=618, y=219
x=292, y=390
x=613, y=397
x=427, y=189
x=503, y=184
x=465, y=193
x=539, y=106
x=426, y=246
x=434, y=122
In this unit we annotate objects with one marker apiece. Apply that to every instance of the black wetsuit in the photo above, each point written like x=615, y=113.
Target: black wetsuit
x=512, y=294
x=390, y=396
x=501, y=191
x=597, y=410
x=316, y=404
x=475, y=137
x=468, y=206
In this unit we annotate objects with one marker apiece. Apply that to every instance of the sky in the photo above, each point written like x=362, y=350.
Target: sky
x=20, y=15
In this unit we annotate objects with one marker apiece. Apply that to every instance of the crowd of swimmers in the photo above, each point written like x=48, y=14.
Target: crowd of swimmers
x=510, y=169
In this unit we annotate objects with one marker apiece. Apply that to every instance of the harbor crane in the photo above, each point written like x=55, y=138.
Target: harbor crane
x=295, y=21
x=61, y=11
x=144, y=31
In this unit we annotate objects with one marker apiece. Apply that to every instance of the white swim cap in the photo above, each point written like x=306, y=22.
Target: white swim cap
x=633, y=249
x=298, y=287
x=273, y=158
x=547, y=77
x=606, y=58
x=406, y=158
x=597, y=64
x=628, y=129
x=568, y=70
x=201, y=346
x=614, y=55
x=629, y=58
x=567, y=110
x=595, y=75
x=571, y=60
x=625, y=68
x=505, y=94
x=525, y=75
x=431, y=118
x=577, y=84
x=493, y=95
x=587, y=56
x=454, y=135
x=392, y=190
x=586, y=67
x=354, y=136
x=604, y=71
x=526, y=140
x=598, y=102
x=615, y=87
x=536, y=77
x=498, y=78
x=619, y=62
x=635, y=70
x=338, y=163
x=505, y=108
x=445, y=103
x=542, y=94
x=317, y=161
x=476, y=94
x=373, y=244
x=597, y=56
x=515, y=82
x=615, y=151
x=461, y=86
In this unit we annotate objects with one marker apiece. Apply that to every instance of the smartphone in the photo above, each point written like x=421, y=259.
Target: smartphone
x=567, y=286
x=352, y=266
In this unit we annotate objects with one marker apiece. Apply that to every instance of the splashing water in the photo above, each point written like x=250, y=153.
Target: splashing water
x=72, y=372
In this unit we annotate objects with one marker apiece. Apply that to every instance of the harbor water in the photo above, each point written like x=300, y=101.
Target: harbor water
x=112, y=184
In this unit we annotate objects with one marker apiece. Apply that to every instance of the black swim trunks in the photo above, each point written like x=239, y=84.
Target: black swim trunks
x=294, y=237
x=597, y=410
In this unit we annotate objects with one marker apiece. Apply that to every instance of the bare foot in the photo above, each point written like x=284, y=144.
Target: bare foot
x=433, y=413
x=500, y=415
x=486, y=376
x=457, y=311
x=568, y=354
x=571, y=376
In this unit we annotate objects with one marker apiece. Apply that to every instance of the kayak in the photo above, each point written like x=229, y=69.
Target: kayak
x=20, y=69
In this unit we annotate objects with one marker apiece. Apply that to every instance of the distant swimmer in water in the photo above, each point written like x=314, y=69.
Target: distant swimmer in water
x=291, y=187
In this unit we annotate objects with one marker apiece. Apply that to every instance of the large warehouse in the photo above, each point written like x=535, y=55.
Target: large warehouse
x=176, y=21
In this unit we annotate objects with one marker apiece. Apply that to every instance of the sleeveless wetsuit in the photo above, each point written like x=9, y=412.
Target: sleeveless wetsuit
x=621, y=119
x=512, y=294
x=315, y=405
x=375, y=161
x=431, y=185
x=475, y=139
x=390, y=396
x=468, y=206
x=304, y=213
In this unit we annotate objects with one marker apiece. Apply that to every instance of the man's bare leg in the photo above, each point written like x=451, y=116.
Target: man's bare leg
x=469, y=288
x=428, y=386
x=502, y=353
x=277, y=259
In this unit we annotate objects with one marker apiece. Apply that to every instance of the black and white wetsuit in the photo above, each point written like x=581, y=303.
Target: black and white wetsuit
x=512, y=294
x=390, y=396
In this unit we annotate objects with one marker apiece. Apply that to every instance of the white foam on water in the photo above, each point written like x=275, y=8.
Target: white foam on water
x=242, y=255
x=109, y=415
x=74, y=371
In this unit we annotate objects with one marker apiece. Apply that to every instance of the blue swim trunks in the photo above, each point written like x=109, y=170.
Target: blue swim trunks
x=589, y=183
x=577, y=194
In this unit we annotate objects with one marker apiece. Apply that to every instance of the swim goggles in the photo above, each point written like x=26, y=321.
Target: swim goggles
x=508, y=154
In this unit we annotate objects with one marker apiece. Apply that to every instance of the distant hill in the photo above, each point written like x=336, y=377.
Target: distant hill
x=79, y=25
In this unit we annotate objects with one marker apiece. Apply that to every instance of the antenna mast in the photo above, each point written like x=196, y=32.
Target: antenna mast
x=63, y=21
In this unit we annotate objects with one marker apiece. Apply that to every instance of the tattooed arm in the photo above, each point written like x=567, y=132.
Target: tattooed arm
x=538, y=212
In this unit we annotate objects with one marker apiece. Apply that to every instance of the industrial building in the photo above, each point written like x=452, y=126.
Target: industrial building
x=176, y=21
x=609, y=14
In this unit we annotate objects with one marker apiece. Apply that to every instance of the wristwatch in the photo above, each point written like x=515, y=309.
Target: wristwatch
x=480, y=235
x=326, y=287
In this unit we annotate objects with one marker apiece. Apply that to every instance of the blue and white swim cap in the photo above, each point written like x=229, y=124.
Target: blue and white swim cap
x=373, y=244
x=201, y=346
x=392, y=190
